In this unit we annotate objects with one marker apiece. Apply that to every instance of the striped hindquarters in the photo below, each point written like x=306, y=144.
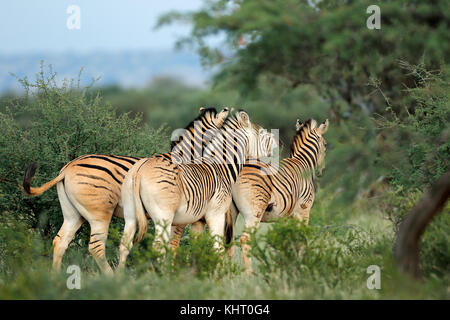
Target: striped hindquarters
x=99, y=177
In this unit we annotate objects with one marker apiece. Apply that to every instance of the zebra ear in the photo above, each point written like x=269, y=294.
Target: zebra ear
x=244, y=118
x=298, y=125
x=323, y=127
x=201, y=109
x=223, y=114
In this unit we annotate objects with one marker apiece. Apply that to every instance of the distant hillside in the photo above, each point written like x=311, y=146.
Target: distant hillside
x=126, y=69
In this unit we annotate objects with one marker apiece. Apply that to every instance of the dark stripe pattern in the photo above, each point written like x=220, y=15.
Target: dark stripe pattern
x=294, y=180
x=224, y=158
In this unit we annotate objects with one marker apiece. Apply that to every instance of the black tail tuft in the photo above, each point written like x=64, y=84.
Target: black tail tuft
x=229, y=232
x=28, y=177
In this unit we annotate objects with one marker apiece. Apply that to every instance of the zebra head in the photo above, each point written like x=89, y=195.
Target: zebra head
x=256, y=146
x=261, y=143
x=240, y=140
x=267, y=142
x=309, y=145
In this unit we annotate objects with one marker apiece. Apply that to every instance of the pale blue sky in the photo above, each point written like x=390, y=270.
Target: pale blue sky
x=35, y=26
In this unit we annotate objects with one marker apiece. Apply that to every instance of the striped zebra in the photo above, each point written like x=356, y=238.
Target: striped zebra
x=264, y=194
x=268, y=144
x=89, y=188
x=188, y=192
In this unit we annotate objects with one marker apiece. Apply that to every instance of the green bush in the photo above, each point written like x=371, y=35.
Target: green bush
x=396, y=203
x=297, y=252
x=195, y=256
x=435, y=247
x=419, y=157
x=199, y=256
x=144, y=258
x=19, y=247
x=52, y=124
x=421, y=151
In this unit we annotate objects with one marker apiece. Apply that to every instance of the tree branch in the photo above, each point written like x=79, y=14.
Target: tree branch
x=414, y=224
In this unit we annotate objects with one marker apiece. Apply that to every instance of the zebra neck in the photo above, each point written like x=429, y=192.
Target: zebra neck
x=306, y=162
x=229, y=149
x=232, y=160
x=192, y=142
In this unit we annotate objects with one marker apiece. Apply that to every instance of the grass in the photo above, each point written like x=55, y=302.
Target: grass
x=328, y=260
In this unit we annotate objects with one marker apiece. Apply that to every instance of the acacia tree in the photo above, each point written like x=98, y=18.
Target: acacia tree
x=414, y=224
x=326, y=44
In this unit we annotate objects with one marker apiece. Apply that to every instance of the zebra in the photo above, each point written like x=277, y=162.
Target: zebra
x=188, y=192
x=263, y=194
x=268, y=146
x=89, y=188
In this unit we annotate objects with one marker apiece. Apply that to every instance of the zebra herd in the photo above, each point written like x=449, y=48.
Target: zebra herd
x=215, y=171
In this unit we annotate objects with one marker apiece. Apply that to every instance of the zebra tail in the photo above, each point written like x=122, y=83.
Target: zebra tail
x=229, y=225
x=139, y=209
x=28, y=178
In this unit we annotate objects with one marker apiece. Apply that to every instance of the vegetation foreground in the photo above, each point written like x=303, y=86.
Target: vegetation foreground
x=386, y=93
x=329, y=259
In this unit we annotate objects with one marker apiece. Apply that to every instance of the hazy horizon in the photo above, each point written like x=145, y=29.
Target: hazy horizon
x=41, y=26
x=116, y=41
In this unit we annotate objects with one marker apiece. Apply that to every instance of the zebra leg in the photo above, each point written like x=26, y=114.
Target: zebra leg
x=304, y=215
x=245, y=238
x=127, y=240
x=161, y=198
x=302, y=210
x=72, y=222
x=99, y=219
x=162, y=233
x=97, y=243
x=198, y=227
x=176, y=233
x=162, y=214
x=234, y=213
x=215, y=219
x=252, y=220
x=251, y=205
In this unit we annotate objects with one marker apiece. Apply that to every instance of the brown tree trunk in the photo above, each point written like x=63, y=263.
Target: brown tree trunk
x=414, y=224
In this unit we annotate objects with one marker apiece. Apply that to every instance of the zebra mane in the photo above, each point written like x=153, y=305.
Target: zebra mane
x=191, y=124
x=231, y=122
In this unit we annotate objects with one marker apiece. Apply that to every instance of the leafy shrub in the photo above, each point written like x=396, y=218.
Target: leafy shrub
x=435, y=246
x=421, y=155
x=396, y=203
x=19, y=247
x=299, y=253
x=422, y=146
x=52, y=124
x=195, y=256
x=202, y=259
x=144, y=258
